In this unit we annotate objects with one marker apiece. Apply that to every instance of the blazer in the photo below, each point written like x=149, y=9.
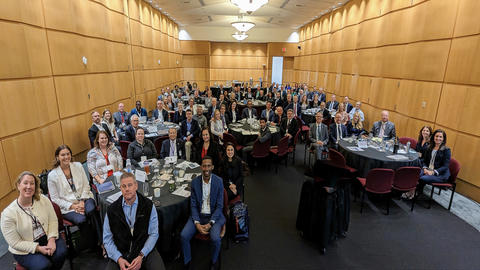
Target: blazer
x=230, y=116
x=213, y=151
x=323, y=133
x=231, y=172
x=130, y=133
x=17, y=225
x=143, y=112
x=135, y=151
x=117, y=117
x=211, y=109
x=333, y=132
x=354, y=131
x=164, y=114
x=322, y=97
x=60, y=191
x=335, y=105
x=92, y=133
x=292, y=128
x=245, y=113
x=441, y=163
x=299, y=109
x=194, y=129
x=313, y=105
x=277, y=120
x=389, y=131
x=277, y=102
x=348, y=107
x=165, y=151
x=216, y=199
x=179, y=116
x=270, y=115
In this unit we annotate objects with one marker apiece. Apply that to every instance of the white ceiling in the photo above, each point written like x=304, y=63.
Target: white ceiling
x=211, y=19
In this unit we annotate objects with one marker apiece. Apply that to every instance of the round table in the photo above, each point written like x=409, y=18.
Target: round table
x=308, y=115
x=173, y=211
x=371, y=158
x=245, y=133
x=258, y=105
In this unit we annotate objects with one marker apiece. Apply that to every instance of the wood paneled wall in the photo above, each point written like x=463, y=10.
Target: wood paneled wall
x=48, y=93
x=196, y=62
x=418, y=59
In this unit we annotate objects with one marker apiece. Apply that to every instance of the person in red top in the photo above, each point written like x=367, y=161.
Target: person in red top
x=103, y=159
x=207, y=147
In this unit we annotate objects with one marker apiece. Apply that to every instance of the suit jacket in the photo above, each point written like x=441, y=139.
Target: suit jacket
x=164, y=114
x=210, y=112
x=165, y=151
x=277, y=120
x=322, y=97
x=213, y=151
x=323, y=133
x=441, y=163
x=245, y=113
x=194, y=129
x=270, y=115
x=312, y=105
x=130, y=133
x=216, y=199
x=142, y=112
x=299, y=109
x=335, y=105
x=117, y=117
x=348, y=107
x=291, y=129
x=92, y=133
x=277, y=102
x=265, y=135
x=333, y=132
x=389, y=131
x=230, y=116
x=179, y=116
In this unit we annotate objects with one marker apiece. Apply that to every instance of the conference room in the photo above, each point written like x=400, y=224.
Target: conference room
x=239, y=134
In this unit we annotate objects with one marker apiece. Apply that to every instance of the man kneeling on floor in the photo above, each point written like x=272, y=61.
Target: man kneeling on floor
x=130, y=230
x=206, y=202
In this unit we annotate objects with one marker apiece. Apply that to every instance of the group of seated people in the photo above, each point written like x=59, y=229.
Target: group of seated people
x=130, y=228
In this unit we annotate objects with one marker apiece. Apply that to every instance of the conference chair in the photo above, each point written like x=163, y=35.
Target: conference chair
x=158, y=143
x=124, y=149
x=227, y=137
x=378, y=181
x=281, y=151
x=404, y=140
x=451, y=184
x=291, y=148
x=406, y=179
x=260, y=150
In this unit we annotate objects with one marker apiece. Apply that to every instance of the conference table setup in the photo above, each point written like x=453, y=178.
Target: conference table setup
x=258, y=105
x=308, y=115
x=246, y=131
x=155, y=129
x=167, y=183
x=369, y=153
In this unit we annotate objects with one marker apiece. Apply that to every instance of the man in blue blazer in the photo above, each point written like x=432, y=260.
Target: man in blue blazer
x=206, y=203
x=189, y=131
x=178, y=148
x=249, y=112
x=268, y=112
x=138, y=110
x=337, y=130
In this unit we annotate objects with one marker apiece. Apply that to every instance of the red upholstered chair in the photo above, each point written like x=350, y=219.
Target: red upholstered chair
x=404, y=140
x=124, y=148
x=339, y=160
x=378, y=181
x=260, y=150
x=291, y=148
x=450, y=184
x=158, y=143
x=227, y=137
x=406, y=179
x=281, y=151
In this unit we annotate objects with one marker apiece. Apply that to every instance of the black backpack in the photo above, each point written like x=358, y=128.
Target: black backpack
x=44, y=181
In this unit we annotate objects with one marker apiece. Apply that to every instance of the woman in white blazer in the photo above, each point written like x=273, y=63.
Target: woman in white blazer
x=30, y=227
x=69, y=187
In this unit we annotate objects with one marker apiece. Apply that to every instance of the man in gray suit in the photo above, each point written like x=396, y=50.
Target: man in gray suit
x=318, y=135
x=384, y=128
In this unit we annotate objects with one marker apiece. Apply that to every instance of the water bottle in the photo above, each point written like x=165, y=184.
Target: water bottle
x=408, y=147
x=128, y=167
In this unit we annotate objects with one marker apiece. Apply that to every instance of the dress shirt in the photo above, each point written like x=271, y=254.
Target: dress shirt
x=189, y=127
x=206, y=196
x=382, y=130
x=130, y=212
x=319, y=130
x=173, y=148
x=234, y=116
x=331, y=106
x=339, y=132
x=354, y=110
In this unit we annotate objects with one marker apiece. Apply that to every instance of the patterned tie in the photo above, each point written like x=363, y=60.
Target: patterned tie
x=319, y=128
x=172, y=148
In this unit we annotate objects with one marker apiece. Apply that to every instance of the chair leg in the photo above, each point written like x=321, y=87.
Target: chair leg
x=439, y=191
x=431, y=198
x=388, y=204
x=451, y=196
x=68, y=235
x=361, y=203
x=413, y=200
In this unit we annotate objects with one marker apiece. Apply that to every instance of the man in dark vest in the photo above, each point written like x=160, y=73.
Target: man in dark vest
x=130, y=230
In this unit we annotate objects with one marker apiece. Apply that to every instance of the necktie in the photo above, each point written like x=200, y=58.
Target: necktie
x=319, y=127
x=339, y=133
x=295, y=109
x=382, y=131
x=331, y=106
x=123, y=118
x=249, y=113
x=172, y=148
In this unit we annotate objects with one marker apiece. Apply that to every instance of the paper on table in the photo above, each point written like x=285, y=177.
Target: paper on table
x=183, y=165
x=140, y=175
x=397, y=157
x=193, y=165
x=182, y=192
x=114, y=197
x=401, y=151
x=354, y=148
x=170, y=160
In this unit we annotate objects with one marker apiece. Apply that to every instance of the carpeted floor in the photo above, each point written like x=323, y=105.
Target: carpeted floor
x=423, y=239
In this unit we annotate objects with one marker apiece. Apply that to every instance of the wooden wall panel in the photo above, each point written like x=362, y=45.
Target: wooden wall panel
x=466, y=151
x=7, y=184
x=426, y=60
x=467, y=22
x=26, y=11
x=464, y=61
x=75, y=132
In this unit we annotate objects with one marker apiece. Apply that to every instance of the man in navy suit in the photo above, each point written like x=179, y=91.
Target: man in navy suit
x=322, y=96
x=206, y=203
x=332, y=104
x=348, y=105
x=189, y=131
x=173, y=146
x=249, y=112
x=138, y=110
x=120, y=117
x=268, y=112
x=337, y=130
x=295, y=106
x=160, y=113
x=131, y=129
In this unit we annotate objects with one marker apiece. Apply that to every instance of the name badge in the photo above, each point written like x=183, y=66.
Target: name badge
x=188, y=133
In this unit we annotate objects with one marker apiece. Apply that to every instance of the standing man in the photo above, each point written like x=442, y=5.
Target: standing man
x=96, y=126
x=189, y=131
x=384, y=128
x=319, y=135
x=206, y=203
x=120, y=117
x=130, y=230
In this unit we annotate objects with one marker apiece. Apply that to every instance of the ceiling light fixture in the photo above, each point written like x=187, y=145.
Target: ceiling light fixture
x=249, y=6
x=243, y=26
x=240, y=36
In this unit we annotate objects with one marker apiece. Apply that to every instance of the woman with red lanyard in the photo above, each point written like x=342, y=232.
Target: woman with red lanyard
x=103, y=159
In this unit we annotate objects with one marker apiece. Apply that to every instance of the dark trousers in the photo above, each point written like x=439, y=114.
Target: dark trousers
x=152, y=261
x=190, y=230
x=39, y=261
x=80, y=220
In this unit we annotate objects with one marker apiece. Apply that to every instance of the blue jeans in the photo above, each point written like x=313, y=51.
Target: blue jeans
x=39, y=261
x=190, y=230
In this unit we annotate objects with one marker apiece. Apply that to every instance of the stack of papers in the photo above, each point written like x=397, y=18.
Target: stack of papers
x=182, y=192
x=397, y=157
x=114, y=197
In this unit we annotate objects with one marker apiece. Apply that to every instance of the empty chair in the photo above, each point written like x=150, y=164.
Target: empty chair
x=406, y=179
x=158, y=143
x=281, y=151
x=378, y=181
x=291, y=148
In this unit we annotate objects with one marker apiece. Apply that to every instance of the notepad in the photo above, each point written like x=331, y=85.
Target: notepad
x=114, y=197
x=105, y=187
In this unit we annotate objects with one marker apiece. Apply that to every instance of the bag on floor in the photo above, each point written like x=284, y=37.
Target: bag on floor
x=240, y=222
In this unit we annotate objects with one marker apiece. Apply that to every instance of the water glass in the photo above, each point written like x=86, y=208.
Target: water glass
x=145, y=189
